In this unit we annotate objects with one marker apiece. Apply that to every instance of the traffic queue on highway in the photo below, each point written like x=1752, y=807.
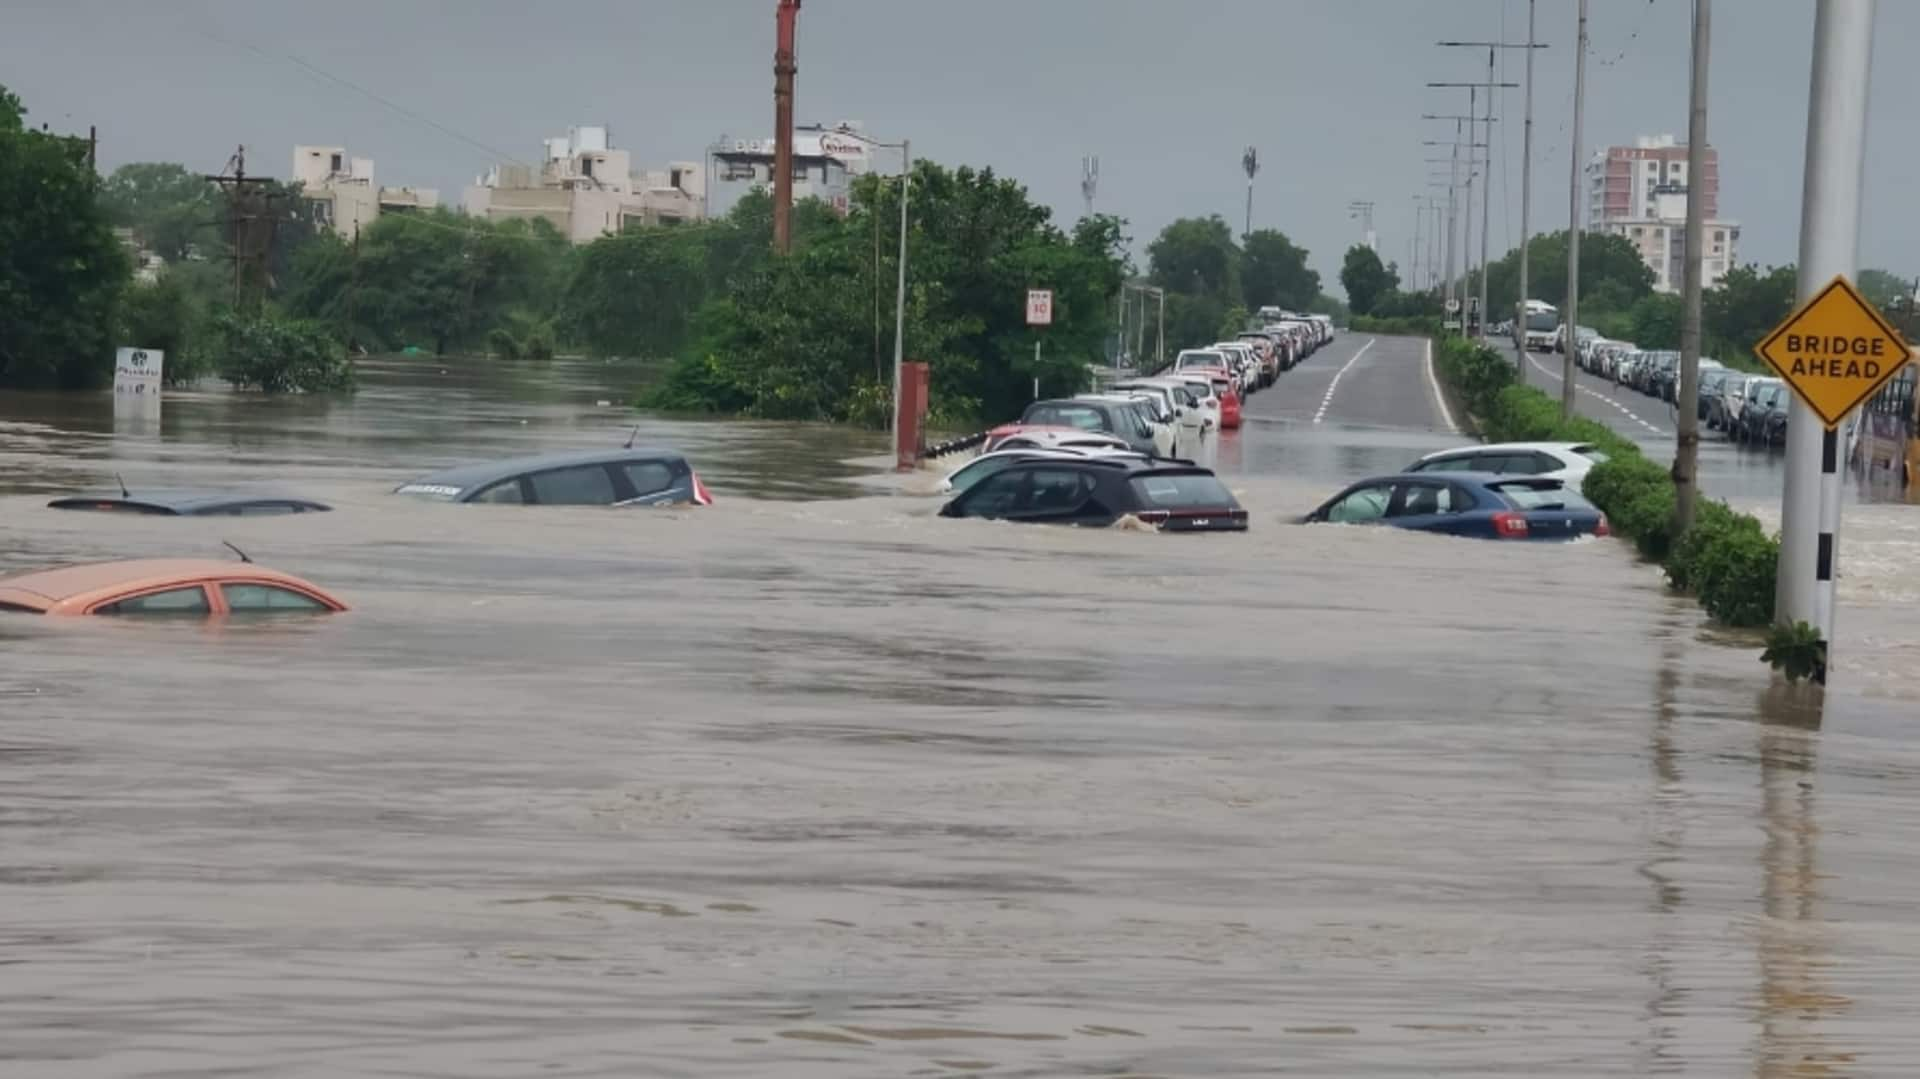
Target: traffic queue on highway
x=1124, y=451
x=1748, y=408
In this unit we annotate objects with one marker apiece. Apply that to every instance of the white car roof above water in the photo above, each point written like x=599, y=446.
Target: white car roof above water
x=1571, y=448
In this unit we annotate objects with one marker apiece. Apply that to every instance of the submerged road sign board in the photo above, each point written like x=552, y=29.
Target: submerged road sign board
x=1835, y=351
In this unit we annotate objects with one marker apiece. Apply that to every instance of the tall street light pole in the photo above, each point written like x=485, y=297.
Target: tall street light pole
x=1526, y=158
x=1250, y=161
x=1686, y=458
x=1571, y=341
x=1829, y=247
x=1486, y=184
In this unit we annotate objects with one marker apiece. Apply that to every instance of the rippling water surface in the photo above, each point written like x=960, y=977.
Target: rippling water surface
x=809, y=784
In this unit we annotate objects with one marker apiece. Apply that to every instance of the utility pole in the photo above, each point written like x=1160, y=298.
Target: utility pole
x=1250, y=161
x=1829, y=247
x=1364, y=212
x=1526, y=197
x=248, y=258
x=1568, y=371
x=1686, y=458
x=784, y=69
x=1486, y=179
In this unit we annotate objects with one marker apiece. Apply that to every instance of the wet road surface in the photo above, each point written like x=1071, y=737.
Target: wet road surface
x=838, y=788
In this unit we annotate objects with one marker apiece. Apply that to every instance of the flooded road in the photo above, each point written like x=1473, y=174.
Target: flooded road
x=807, y=785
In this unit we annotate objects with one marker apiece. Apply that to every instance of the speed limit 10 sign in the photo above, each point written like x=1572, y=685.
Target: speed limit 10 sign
x=1039, y=307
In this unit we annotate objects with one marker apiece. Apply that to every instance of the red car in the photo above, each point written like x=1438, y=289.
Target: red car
x=163, y=586
x=1223, y=388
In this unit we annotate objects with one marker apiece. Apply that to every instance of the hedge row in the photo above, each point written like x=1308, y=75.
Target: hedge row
x=1403, y=326
x=1726, y=559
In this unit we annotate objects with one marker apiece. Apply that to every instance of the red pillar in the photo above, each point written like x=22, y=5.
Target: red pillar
x=911, y=435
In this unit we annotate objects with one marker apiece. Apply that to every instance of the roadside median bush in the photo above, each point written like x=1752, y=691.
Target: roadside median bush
x=1726, y=560
x=1401, y=326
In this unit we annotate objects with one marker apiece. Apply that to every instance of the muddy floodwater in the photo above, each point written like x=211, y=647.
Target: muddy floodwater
x=814, y=783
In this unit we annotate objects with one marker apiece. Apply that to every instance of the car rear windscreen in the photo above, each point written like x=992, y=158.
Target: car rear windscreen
x=1182, y=490
x=1540, y=496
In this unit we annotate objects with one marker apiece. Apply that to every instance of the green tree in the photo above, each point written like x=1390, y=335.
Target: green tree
x=1656, y=321
x=1196, y=256
x=61, y=270
x=1612, y=275
x=1275, y=271
x=1365, y=278
x=1745, y=306
x=1884, y=289
x=172, y=211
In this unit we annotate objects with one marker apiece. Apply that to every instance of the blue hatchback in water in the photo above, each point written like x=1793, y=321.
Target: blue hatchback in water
x=1481, y=504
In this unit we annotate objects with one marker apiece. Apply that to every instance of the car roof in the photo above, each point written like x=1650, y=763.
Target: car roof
x=183, y=501
x=45, y=588
x=484, y=472
x=1483, y=479
x=1547, y=447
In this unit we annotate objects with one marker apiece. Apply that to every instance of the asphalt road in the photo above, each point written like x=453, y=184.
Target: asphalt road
x=1359, y=380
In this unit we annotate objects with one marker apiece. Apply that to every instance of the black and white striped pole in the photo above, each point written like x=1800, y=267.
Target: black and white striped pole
x=1829, y=248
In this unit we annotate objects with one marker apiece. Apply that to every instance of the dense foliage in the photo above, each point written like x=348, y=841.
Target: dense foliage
x=276, y=354
x=1208, y=277
x=61, y=271
x=1366, y=279
x=1726, y=559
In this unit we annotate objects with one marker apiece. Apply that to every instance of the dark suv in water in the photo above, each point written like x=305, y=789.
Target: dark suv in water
x=620, y=477
x=1099, y=491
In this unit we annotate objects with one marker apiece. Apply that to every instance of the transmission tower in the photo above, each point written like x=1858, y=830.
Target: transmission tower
x=1089, y=181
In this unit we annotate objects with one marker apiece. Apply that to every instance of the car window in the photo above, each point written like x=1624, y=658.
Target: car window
x=1082, y=416
x=1182, y=489
x=1461, y=463
x=189, y=600
x=997, y=496
x=964, y=479
x=1591, y=453
x=1423, y=500
x=1537, y=495
x=648, y=477
x=264, y=509
x=504, y=493
x=586, y=485
x=243, y=598
x=1057, y=490
x=1365, y=504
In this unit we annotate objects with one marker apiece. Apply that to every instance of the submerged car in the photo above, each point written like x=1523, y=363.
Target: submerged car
x=621, y=477
x=1098, y=491
x=187, y=587
x=187, y=503
x=987, y=464
x=1466, y=504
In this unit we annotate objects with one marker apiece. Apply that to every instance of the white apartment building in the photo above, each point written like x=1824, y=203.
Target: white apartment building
x=587, y=189
x=1661, y=238
x=340, y=189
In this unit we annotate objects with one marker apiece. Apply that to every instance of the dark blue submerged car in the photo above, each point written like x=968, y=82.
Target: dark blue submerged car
x=1480, y=504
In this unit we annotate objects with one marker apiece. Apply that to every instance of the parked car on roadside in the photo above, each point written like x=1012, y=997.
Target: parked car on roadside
x=630, y=476
x=1467, y=504
x=1201, y=357
x=1763, y=415
x=1098, y=491
x=1723, y=404
x=1123, y=419
x=178, y=587
x=1174, y=398
x=1161, y=421
x=1568, y=462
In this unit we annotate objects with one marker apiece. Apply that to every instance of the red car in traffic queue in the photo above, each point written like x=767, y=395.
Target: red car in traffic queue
x=1223, y=388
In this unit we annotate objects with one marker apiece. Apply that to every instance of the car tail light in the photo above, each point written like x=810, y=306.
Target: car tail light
x=1154, y=517
x=1603, y=529
x=1509, y=525
x=701, y=497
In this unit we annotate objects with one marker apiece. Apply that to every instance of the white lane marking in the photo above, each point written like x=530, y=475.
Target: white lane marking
x=1438, y=397
x=1596, y=395
x=1335, y=384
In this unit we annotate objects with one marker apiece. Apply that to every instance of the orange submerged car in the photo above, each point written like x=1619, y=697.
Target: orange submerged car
x=164, y=586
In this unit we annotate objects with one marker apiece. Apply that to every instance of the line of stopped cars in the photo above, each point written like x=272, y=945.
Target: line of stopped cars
x=1749, y=408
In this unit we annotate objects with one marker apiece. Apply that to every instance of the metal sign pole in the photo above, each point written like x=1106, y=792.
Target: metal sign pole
x=1829, y=247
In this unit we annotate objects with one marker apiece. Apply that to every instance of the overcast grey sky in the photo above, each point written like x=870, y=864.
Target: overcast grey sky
x=1166, y=93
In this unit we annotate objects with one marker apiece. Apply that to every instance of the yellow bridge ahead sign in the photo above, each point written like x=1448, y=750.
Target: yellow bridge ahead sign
x=1835, y=351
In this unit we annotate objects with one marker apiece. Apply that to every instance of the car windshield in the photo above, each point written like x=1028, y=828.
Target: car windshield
x=1084, y=417
x=1543, y=321
x=1535, y=495
x=1182, y=490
